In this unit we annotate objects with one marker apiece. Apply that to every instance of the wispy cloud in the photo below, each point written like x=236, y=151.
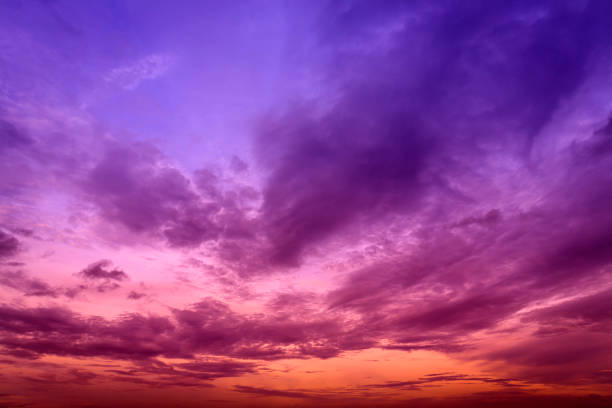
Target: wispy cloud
x=130, y=76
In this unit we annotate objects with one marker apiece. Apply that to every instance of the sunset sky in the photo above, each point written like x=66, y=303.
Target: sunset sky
x=305, y=203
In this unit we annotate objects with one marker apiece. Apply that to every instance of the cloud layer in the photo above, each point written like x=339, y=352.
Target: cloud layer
x=214, y=214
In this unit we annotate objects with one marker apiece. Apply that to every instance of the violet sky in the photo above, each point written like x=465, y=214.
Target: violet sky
x=305, y=203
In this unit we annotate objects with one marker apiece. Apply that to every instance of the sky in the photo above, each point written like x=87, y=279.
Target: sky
x=305, y=203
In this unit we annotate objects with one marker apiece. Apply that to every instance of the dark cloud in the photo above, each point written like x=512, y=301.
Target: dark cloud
x=408, y=118
x=586, y=310
x=100, y=273
x=100, y=270
x=520, y=58
x=271, y=393
x=27, y=285
x=132, y=186
x=238, y=165
x=9, y=245
x=57, y=331
x=136, y=295
x=429, y=112
x=444, y=377
x=197, y=373
x=509, y=400
x=573, y=356
x=208, y=327
x=470, y=313
x=11, y=137
x=26, y=232
x=491, y=217
x=456, y=282
x=217, y=368
x=320, y=182
x=211, y=328
x=39, y=320
x=32, y=286
x=99, y=276
x=132, y=190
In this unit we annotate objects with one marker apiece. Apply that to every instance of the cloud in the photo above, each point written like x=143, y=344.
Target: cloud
x=594, y=309
x=444, y=377
x=26, y=232
x=208, y=327
x=97, y=271
x=318, y=185
x=491, y=217
x=510, y=399
x=209, y=369
x=9, y=245
x=454, y=283
x=135, y=295
x=27, y=285
x=105, y=281
x=11, y=137
x=133, y=187
x=270, y=393
x=130, y=76
x=212, y=328
x=410, y=120
x=456, y=214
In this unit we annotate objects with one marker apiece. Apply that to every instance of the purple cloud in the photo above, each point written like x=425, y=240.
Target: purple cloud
x=11, y=137
x=9, y=245
x=413, y=177
x=135, y=295
x=381, y=148
x=98, y=270
x=27, y=285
